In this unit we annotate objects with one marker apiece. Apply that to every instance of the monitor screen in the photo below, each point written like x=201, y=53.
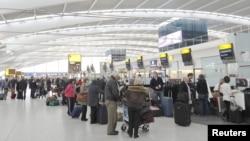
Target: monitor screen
x=153, y=63
x=227, y=54
x=170, y=39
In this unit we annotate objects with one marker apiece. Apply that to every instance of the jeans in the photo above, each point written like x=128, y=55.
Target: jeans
x=5, y=93
x=204, y=106
x=157, y=96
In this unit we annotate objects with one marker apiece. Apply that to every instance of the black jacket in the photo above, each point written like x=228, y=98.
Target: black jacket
x=154, y=83
x=201, y=87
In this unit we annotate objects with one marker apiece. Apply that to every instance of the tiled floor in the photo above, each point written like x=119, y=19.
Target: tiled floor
x=32, y=120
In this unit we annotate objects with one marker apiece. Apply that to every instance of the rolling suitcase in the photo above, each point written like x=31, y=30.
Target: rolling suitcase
x=1, y=96
x=13, y=96
x=182, y=114
x=102, y=115
x=235, y=113
x=76, y=111
x=167, y=105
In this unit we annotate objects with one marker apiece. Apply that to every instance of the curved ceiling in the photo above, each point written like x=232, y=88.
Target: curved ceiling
x=33, y=31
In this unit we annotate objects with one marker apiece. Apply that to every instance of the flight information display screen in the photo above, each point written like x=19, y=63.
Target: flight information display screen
x=227, y=54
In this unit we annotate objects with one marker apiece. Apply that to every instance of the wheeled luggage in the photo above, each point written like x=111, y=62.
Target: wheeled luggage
x=13, y=96
x=235, y=113
x=196, y=106
x=167, y=105
x=182, y=114
x=102, y=114
x=1, y=96
x=76, y=111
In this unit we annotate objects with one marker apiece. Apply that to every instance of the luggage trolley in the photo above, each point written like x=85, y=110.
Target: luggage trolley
x=144, y=125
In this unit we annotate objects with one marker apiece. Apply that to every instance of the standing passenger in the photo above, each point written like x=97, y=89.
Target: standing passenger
x=202, y=90
x=112, y=97
x=70, y=94
x=227, y=92
x=156, y=84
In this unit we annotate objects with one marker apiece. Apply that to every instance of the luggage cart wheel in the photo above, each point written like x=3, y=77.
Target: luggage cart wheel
x=145, y=127
x=124, y=127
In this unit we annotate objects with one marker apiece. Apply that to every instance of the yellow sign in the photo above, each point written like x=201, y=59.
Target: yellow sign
x=75, y=57
x=186, y=51
x=225, y=46
x=170, y=57
x=139, y=57
x=127, y=60
x=6, y=71
x=163, y=55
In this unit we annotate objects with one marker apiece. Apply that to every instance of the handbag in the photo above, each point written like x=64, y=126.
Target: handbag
x=81, y=97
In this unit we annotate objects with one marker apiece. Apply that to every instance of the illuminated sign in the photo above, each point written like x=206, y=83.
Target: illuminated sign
x=74, y=57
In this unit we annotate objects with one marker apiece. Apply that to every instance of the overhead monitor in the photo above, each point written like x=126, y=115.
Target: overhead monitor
x=18, y=73
x=74, y=57
x=227, y=53
x=104, y=66
x=88, y=69
x=111, y=66
x=187, y=57
x=92, y=68
x=140, y=62
x=127, y=63
x=164, y=60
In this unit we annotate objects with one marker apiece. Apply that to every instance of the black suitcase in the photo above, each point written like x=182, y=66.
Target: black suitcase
x=235, y=116
x=1, y=96
x=182, y=114
x=102, y=114
x=196, y=106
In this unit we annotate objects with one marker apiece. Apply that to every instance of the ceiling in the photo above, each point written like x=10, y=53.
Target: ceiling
x=34, y=32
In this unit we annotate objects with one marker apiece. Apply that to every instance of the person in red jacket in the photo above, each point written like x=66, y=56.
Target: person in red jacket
x=70, y=94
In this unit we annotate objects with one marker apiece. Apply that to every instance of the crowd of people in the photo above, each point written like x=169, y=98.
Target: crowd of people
x=88, y=92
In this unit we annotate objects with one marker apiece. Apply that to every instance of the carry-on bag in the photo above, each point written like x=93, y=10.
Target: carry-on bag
x=54, y=103
x=182, y=114
x=235, y=112
x=102, y=115
x=20, y=95
x=13, y=96
x=167, y=105
x=76, y=111
x=157, y=112
x=1, y=96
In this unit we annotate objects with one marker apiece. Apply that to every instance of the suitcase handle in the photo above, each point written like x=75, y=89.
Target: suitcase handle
x=170, y=93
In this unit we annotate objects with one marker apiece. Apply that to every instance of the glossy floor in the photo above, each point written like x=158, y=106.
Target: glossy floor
x=32, y=120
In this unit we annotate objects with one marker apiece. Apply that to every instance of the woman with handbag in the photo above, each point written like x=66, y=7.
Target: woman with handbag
x=82, y=98
x=202, y=90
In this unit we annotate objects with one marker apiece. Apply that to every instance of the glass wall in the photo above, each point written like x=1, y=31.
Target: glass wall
x=192, y=31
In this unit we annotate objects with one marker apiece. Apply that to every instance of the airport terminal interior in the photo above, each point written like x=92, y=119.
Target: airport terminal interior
x=76, y=39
